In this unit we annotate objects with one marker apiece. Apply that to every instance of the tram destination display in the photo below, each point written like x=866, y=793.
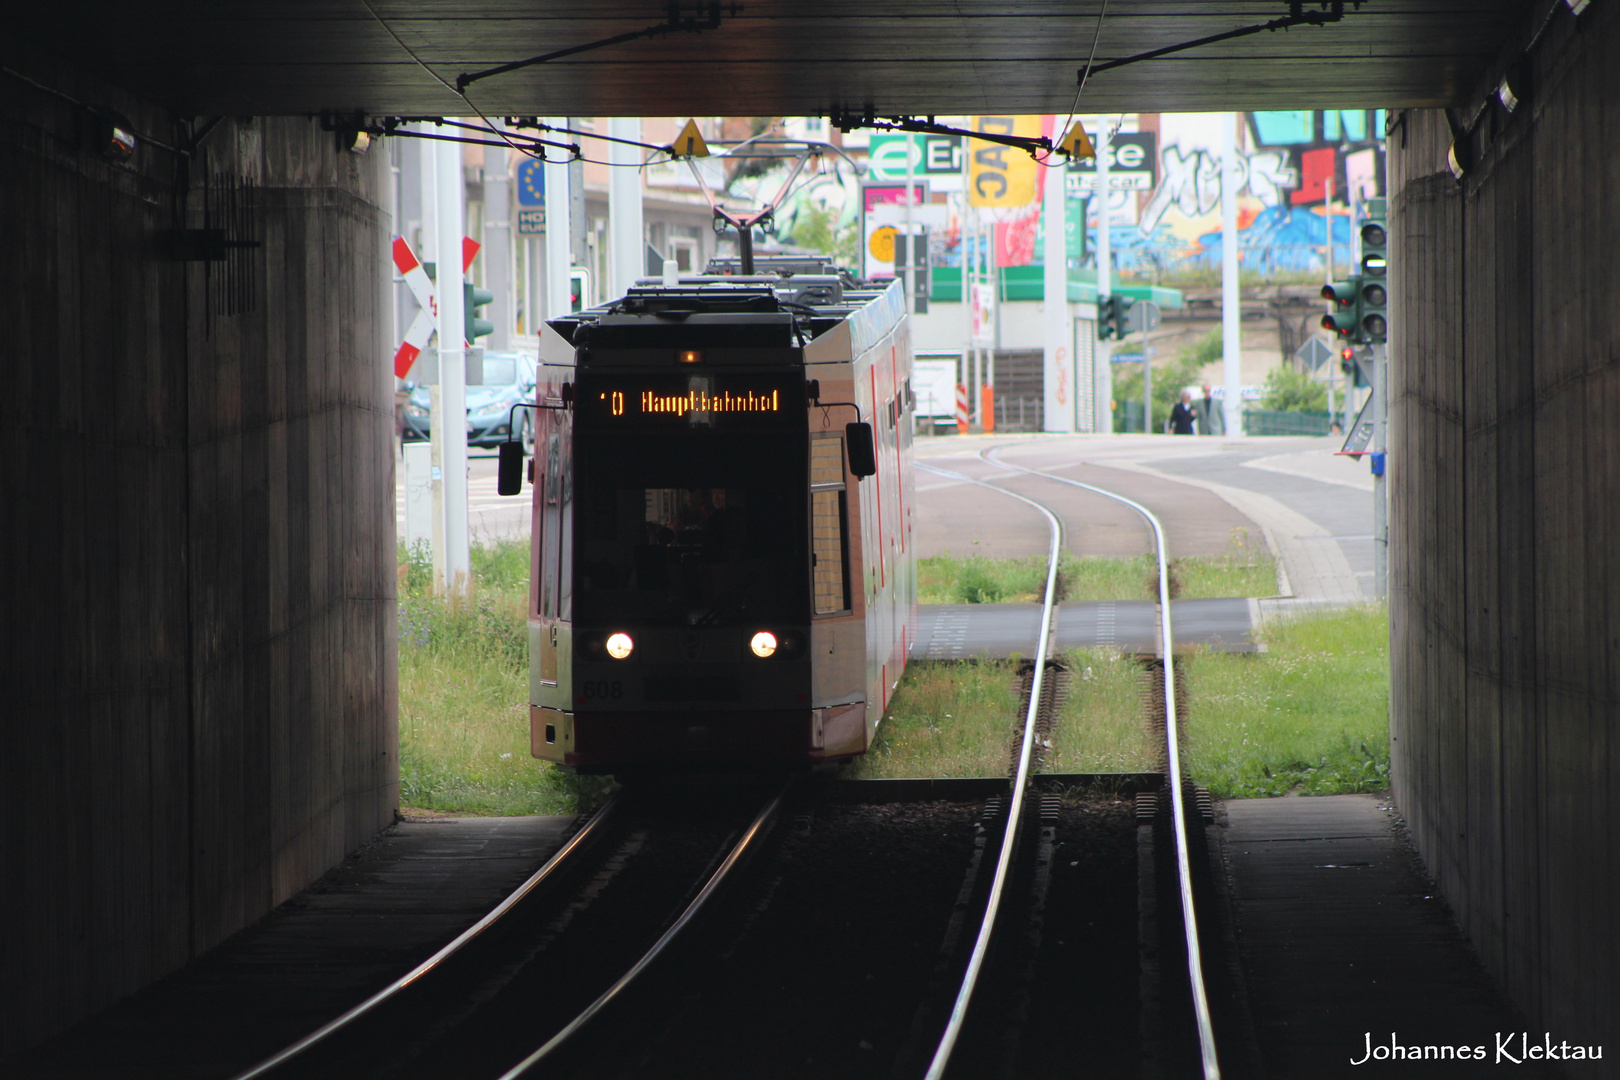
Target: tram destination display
x=726, y=400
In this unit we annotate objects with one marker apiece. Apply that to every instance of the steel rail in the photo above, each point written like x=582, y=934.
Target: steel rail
x=1009, y=840
x=592, y=829
x=754, y=832
x=1189, y=920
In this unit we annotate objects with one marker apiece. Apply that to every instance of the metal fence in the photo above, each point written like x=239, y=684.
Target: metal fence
x=1270, y=422
x=1019, y=413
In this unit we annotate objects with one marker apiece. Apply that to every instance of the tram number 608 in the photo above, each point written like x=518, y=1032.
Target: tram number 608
x=603, y=690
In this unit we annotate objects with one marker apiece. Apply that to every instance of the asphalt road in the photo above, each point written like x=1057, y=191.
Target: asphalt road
x=1312, y=506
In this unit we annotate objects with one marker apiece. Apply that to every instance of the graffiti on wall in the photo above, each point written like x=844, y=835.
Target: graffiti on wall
x=1298, y=175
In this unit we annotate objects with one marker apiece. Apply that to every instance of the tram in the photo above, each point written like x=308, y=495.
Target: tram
x=723, y=569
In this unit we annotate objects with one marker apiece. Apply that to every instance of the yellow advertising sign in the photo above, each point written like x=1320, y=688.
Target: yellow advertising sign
x=1002, y=175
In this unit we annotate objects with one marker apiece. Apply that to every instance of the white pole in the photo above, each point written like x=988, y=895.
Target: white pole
x=1231, y=345
x=427, y=174
x=1058, y=414
x=452, y=361
x=1105, y=271
x=498, y=247
x=627, y=238
x=911, y=247
x=557, y=236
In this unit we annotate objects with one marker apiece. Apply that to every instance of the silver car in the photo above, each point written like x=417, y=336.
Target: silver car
x=509, y=379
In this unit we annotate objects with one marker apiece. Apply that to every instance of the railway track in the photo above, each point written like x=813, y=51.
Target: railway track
x=948, y=1047
x=514, y=989
x=957, y=891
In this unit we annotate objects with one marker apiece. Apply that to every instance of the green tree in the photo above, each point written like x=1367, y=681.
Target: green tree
x=816, y=228
x=1288, y=390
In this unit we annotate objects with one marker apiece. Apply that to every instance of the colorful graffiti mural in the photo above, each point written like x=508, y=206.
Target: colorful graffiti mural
x=1300, y=176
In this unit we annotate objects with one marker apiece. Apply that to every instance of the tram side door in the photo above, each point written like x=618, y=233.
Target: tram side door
x=553, y=593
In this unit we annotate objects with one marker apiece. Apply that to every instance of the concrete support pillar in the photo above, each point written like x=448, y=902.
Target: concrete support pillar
x=198, y=548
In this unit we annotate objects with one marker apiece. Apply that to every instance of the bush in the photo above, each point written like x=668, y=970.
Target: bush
x=1288, y=390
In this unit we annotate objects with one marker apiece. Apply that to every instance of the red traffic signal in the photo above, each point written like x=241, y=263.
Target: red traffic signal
x=1342, y=297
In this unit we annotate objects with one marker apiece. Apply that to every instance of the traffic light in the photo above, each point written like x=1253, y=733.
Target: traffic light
x=1348, y=365
x=1344, y=310
x=1111, y=317
x=579, y=282
x=473, y=298
x=1373, y=320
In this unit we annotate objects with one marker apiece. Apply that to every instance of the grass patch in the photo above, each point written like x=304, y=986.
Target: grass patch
x=1099, y=727
x=1244, y=569
x=464, y=693
x=951, y=718
x=1310, y=716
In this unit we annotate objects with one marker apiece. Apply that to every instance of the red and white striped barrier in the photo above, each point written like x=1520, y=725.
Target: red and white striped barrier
x=961, y=409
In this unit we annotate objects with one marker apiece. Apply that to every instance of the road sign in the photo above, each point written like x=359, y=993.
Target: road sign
x=1361, y=433
x=531, y=183
x=936, y=158
x=1132, y=165
x=1143, y=316
x=1313, y=354
x=415, y=275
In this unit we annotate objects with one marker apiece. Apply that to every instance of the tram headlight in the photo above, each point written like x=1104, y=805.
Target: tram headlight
x=620, y=646
x=763, y=644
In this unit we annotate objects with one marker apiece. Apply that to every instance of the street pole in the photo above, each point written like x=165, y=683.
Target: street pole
x=911, y=253
x=1056, y=413
x=1105, y=267
x=497, y=251
x=1231, y=301
x=451, y=420
x=1147, y=390
x=557, y=230
x=629, y=246
x=1380, y=367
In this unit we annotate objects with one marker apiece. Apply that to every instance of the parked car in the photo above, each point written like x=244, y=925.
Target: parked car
x=509, y=380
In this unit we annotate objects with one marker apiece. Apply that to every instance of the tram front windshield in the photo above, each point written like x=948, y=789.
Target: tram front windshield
x=695, y=528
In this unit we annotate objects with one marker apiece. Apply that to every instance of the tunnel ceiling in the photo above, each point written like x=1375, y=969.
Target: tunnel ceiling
x=770, y=57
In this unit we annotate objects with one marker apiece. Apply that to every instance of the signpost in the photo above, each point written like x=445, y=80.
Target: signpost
x=878, y=230
x=422, y=287
x=1133, y=165
x=1142, y=316
x=935, y=158
x=1313, y=354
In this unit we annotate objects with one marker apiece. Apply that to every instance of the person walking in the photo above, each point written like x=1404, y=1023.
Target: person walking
x=1182, y=420
x=1208, y=412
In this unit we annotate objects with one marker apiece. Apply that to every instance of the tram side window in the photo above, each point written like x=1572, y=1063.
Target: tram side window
x=829, y=533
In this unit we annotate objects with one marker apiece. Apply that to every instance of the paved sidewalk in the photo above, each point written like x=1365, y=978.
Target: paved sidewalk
x=1348, y=950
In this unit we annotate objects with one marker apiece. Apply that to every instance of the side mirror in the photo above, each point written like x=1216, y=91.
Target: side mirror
x=509, y=471
x=862, y=450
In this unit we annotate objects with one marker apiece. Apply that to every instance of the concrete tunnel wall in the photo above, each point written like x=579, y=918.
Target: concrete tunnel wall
x=196, y=542
x=1505, y=523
